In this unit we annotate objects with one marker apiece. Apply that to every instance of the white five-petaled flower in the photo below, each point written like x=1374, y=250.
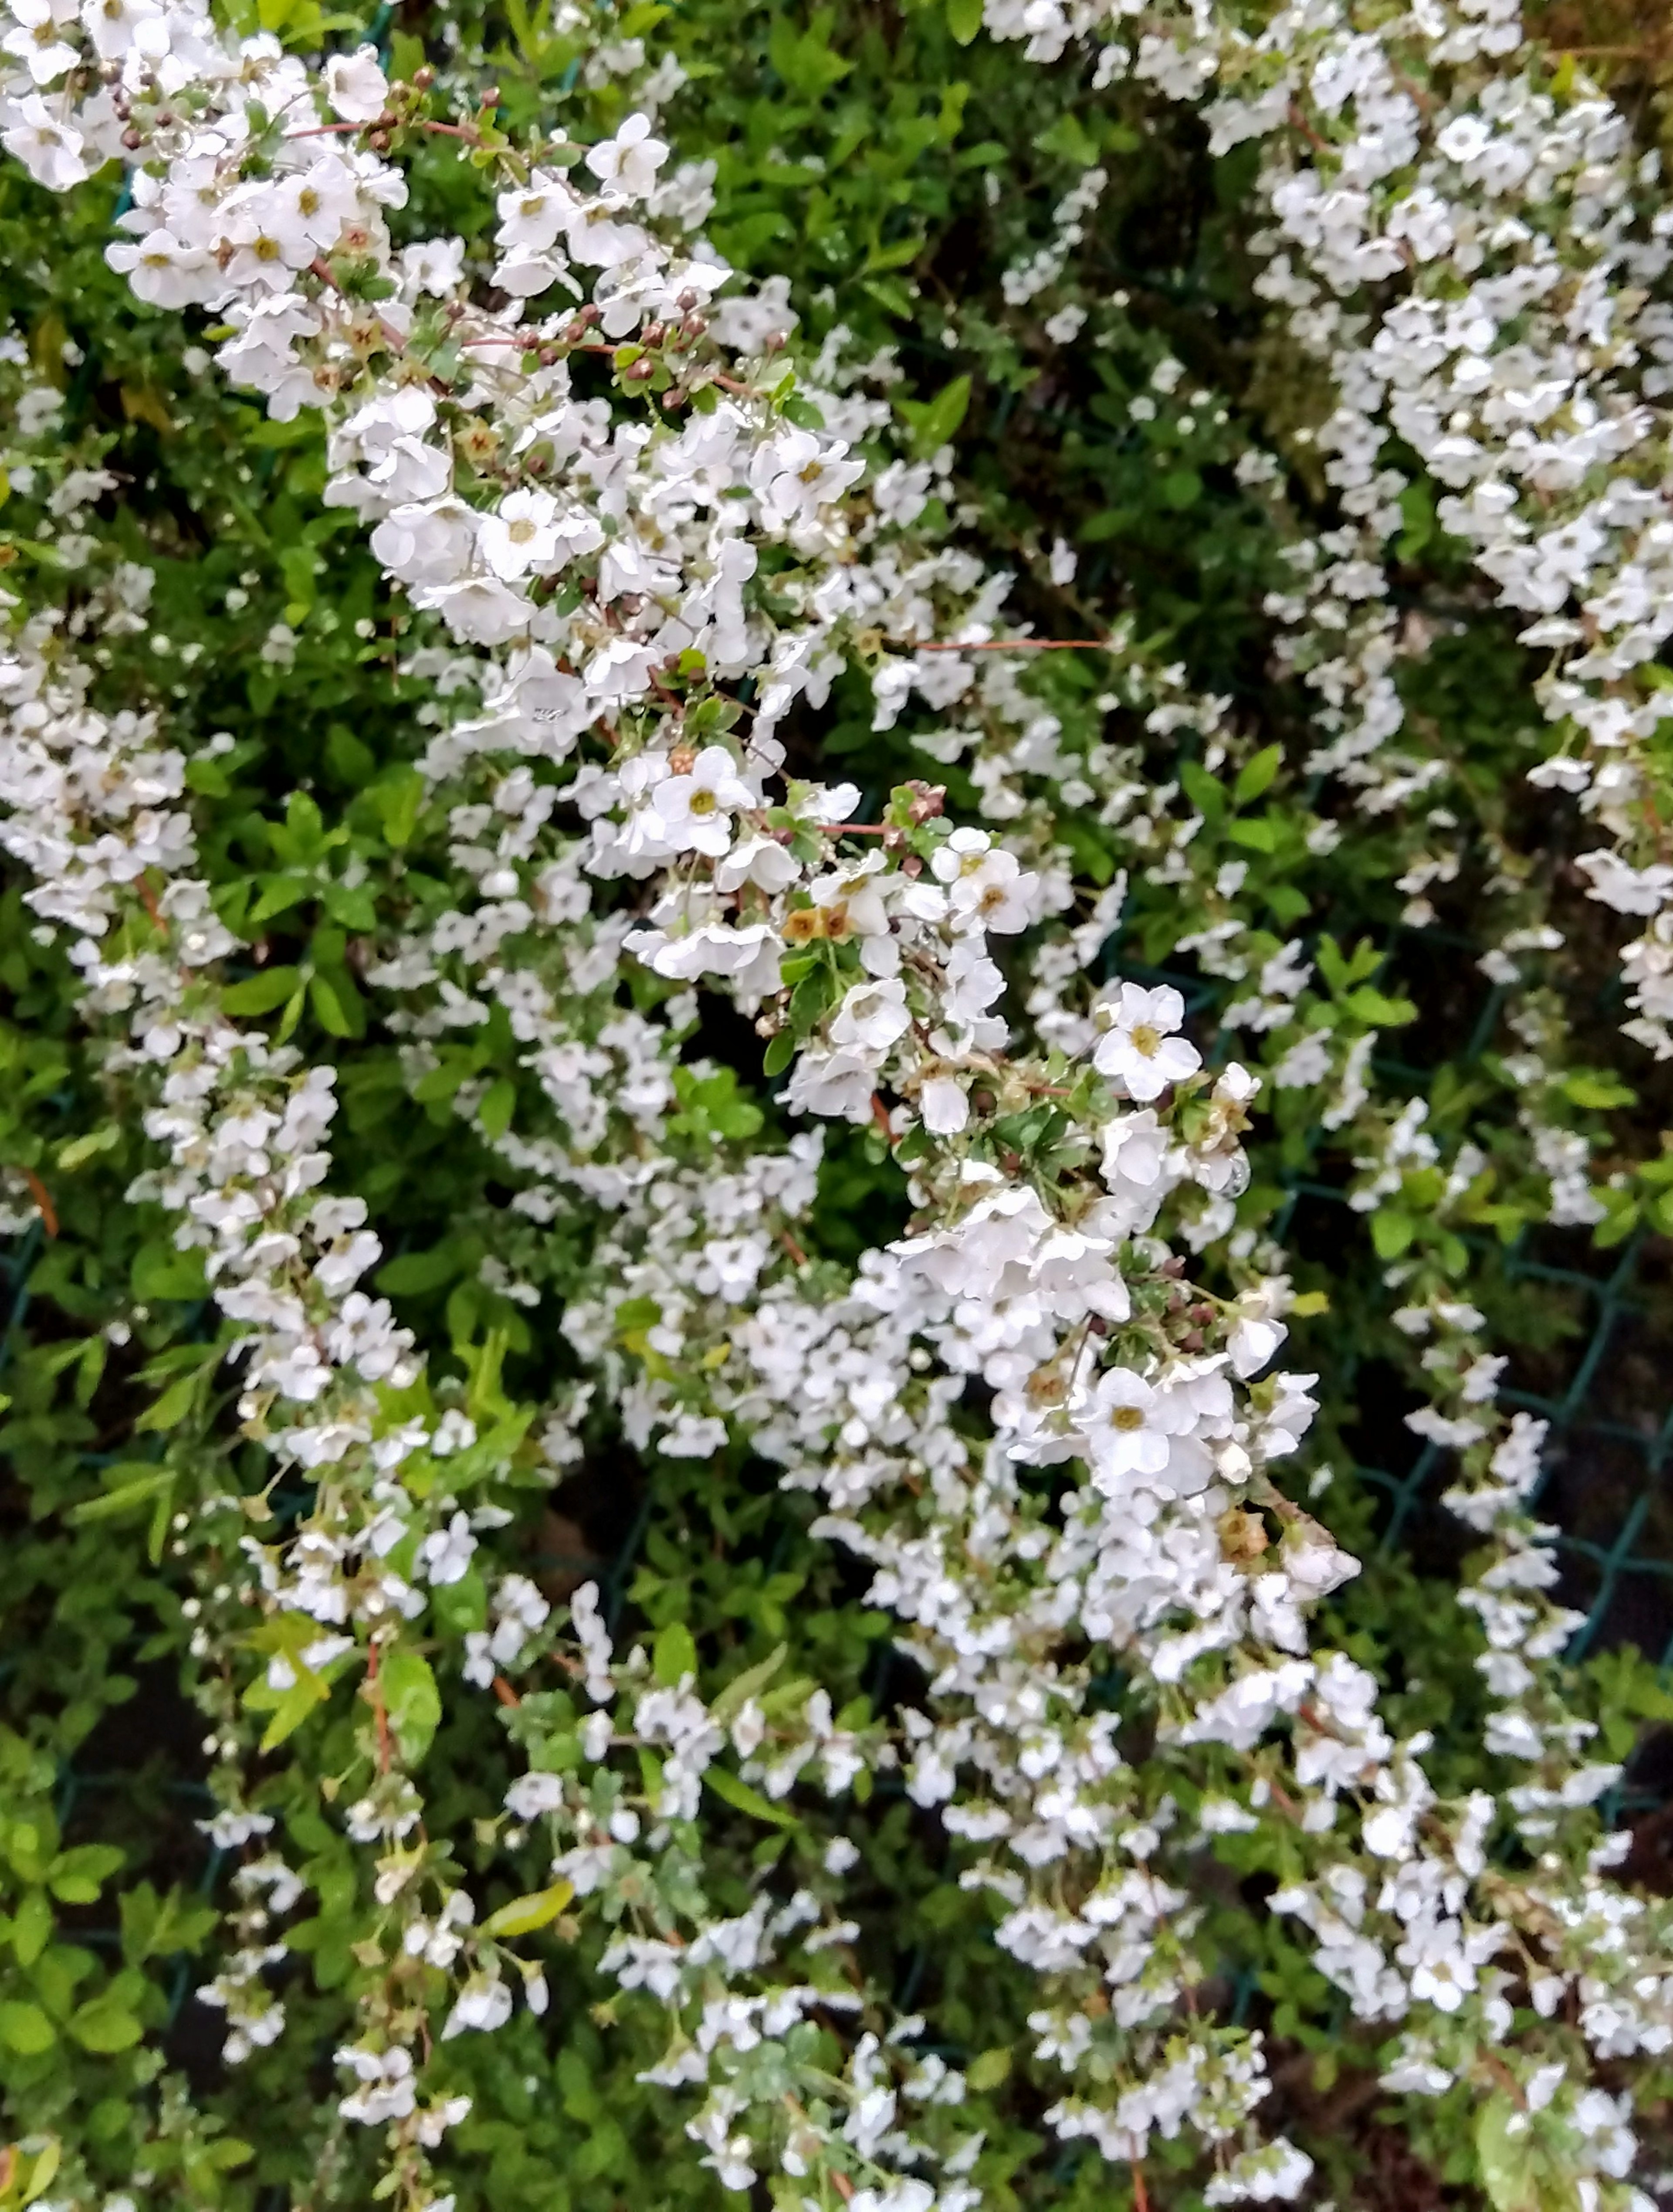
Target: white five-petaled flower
x=355, y=86
x=630, y=161
x=1138, y=1051
x=36, y=40
x=1123, y=1429
x=49, y=150
x=695, y=811
x=521, y=534
x=872, y=1016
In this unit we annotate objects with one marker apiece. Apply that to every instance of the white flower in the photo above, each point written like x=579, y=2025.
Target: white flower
x=521, y=534
x=36, y=40
x=446, y=1553
x=630, y=161
x=943, y=1105
x=872, y=1016
x=355, y=86
x=162, y=273
x=50, y=150
x=1138, y=1052
x=694, y=810
x=1124, y=1431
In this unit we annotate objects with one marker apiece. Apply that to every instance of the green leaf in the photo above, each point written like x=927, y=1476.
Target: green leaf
x=45, y=2168
x=173, y=1406
x=1181, y=488
x=399, y=800
x=160, y=1270
x=1254, y=776
x=290, y=1708
x=411, y=1701
x=126, y=1498
x=1206, y=794
x=964, y=20
x=263, y=993
x=75, y=1877
x=26, y=2028
x=497, y=1107
x=81, y=1149
x=32, y=1927
x=104, y=2026
x=524, y=1914
x=742, y=1799
x=337, y=1005
x=1597, y=1090
x=1070, y=139
x=673, y=1655
x=933, y=421
x=1377, y=1012
x=1504, y=2152
x=989, y=2068
x=414, y=1272
x=741, y=1687
x=1392, y=1231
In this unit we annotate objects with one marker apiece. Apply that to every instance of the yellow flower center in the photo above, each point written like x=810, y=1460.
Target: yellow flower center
x=1127, y=1418
x=1146, y=1040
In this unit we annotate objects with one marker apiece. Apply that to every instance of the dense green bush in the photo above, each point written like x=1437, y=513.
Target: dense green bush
x=321, y=1883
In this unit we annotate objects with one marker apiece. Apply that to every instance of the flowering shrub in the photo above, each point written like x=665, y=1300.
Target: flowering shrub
x=673, y=1424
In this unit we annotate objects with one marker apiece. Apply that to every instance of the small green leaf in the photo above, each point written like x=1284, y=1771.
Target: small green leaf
x=174, y=1405
x=1392, y=1231
x=497, y=1107
x=741, y=1687
x=126, y=1498
x=80, y=1149
x=292, y=1707
x=1504, y=2151
x=989, y=2068
x=1181, y=488
x=26, y=2028
x=32, y=1927
x=160, y=1270
x=411, y=1701
x=414, y=1272
x=933, y=421
x=742, y=1799
x=673, y=1655
x=104, y=2026
x=1597, y=1090
x=964, y=20
x=1204, y=792
x=261, y=994
x=1254, y=776
x=524, y=1914
x=46, y=2166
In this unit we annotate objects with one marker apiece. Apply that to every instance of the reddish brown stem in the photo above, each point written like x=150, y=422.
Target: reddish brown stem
x=49, y=1219
x=384, y=1751
x=504, y=1692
